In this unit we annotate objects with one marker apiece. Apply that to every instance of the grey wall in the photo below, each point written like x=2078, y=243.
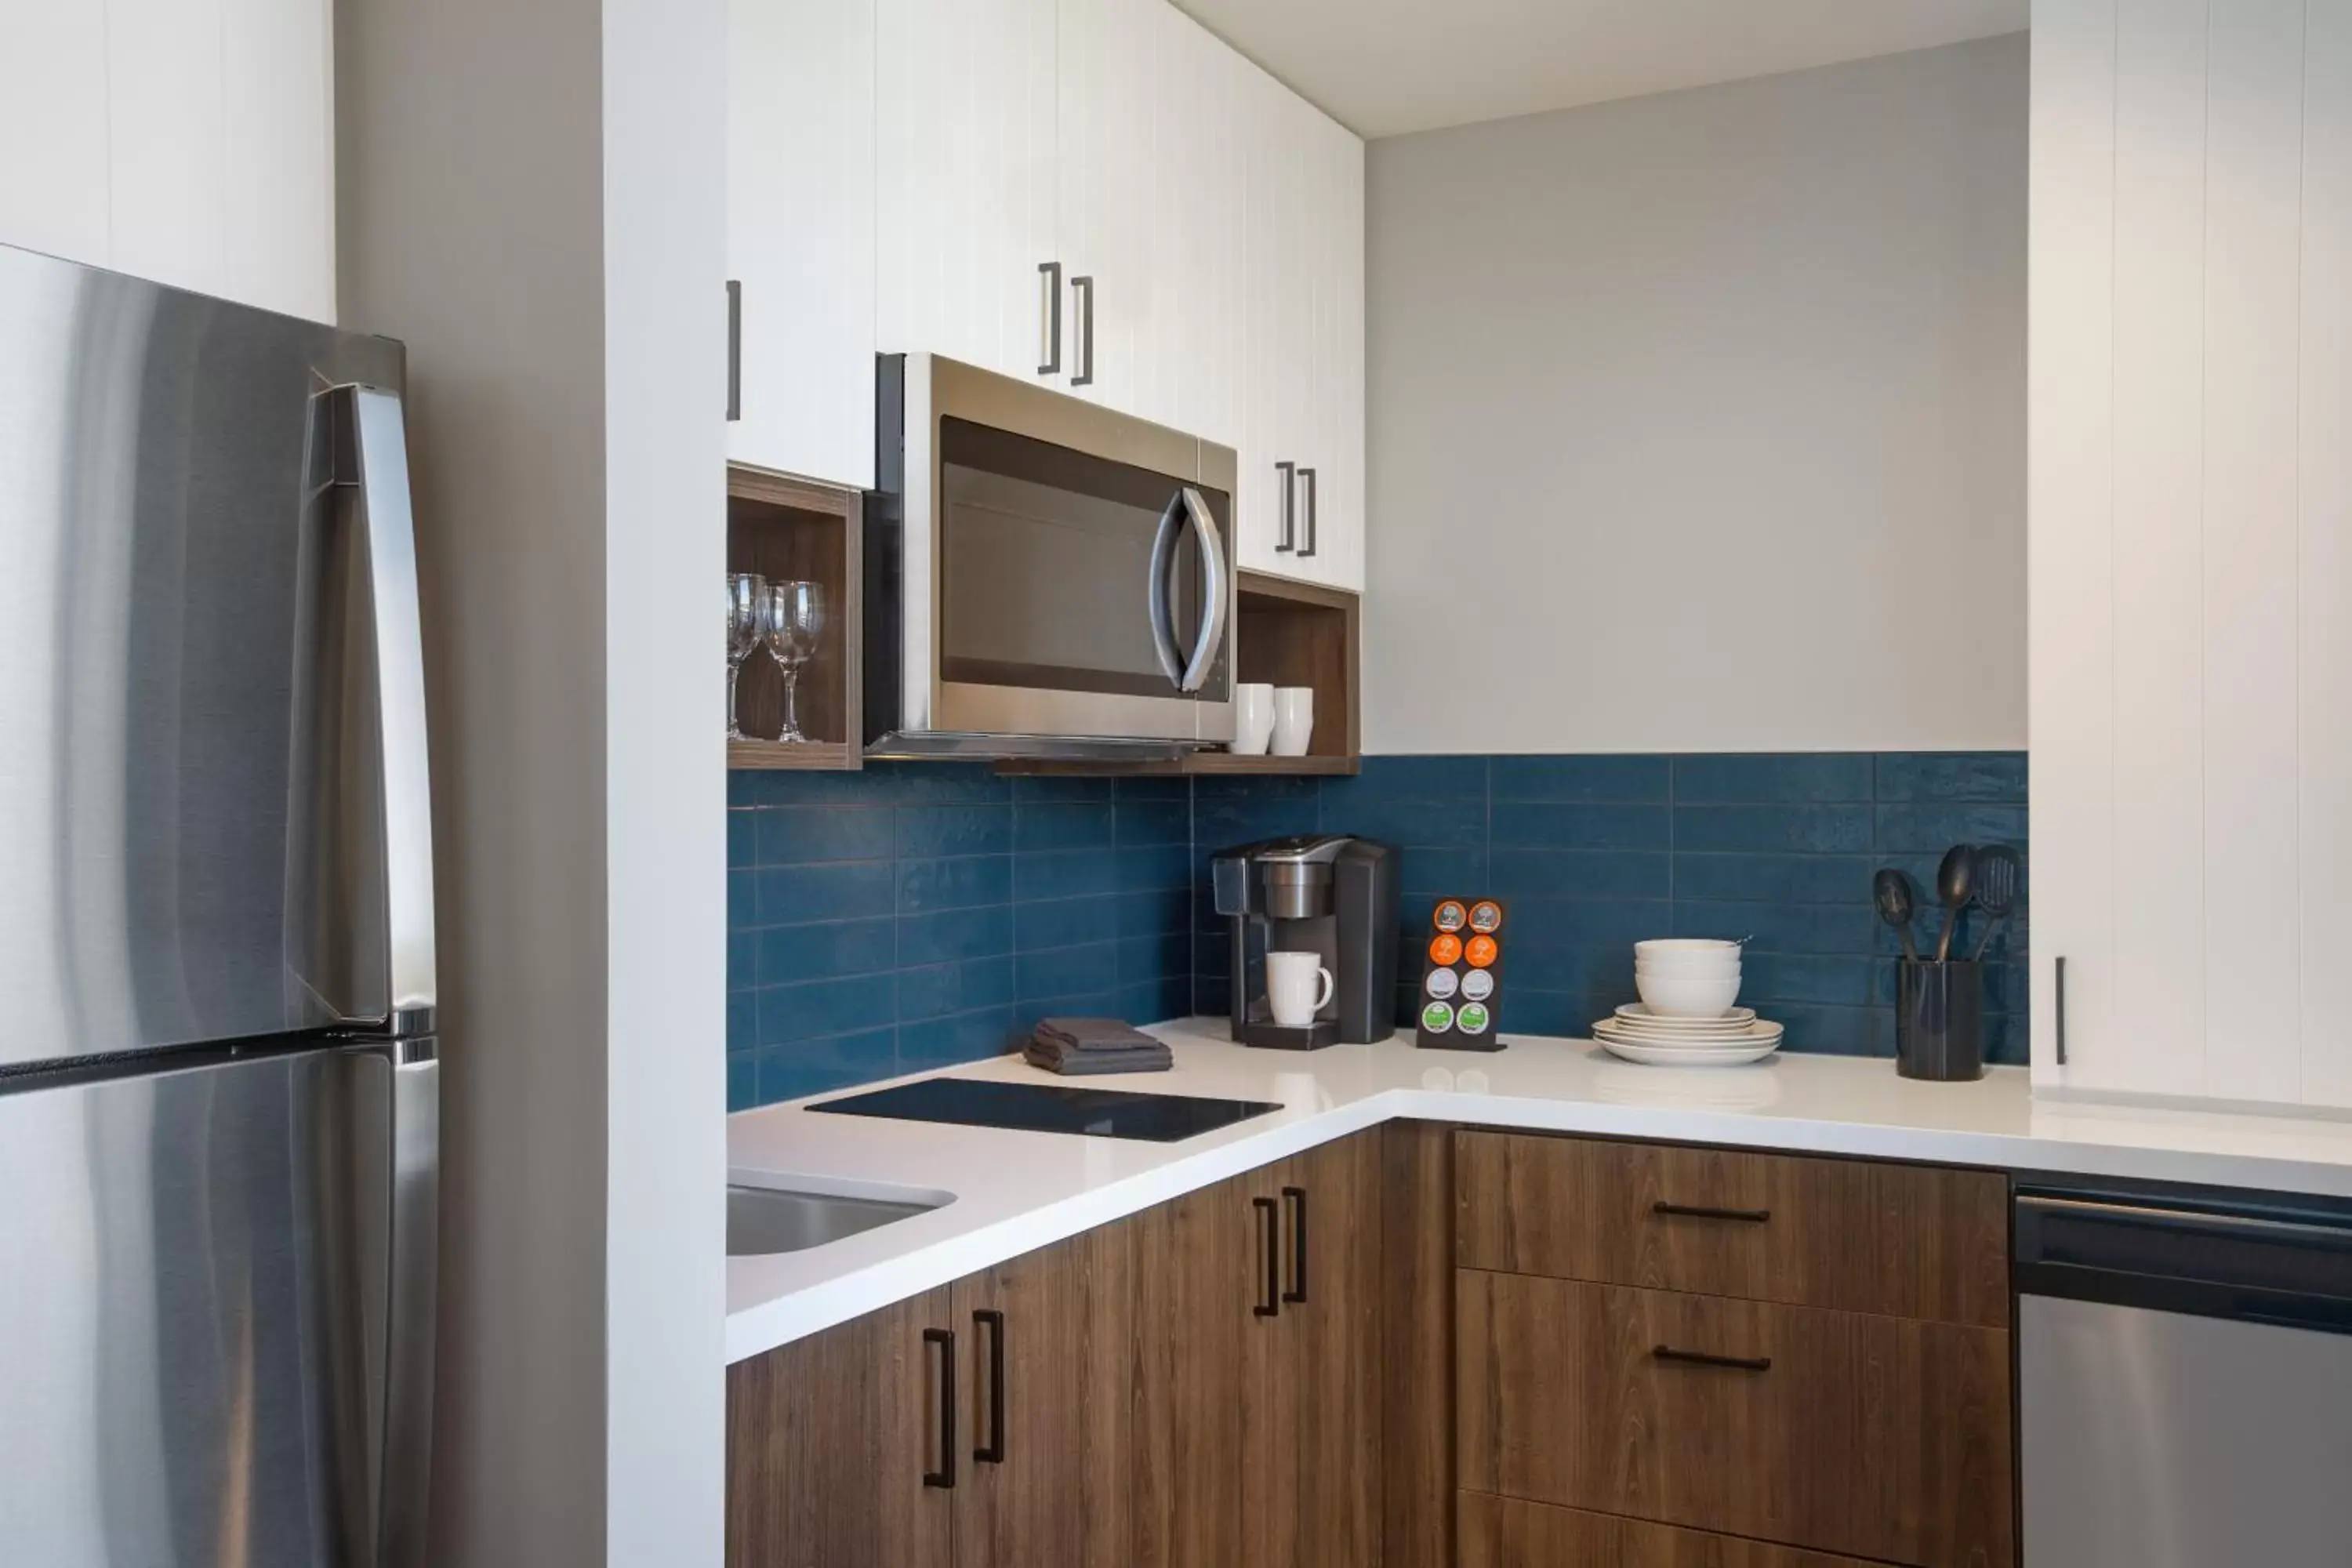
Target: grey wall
x=1697, y=421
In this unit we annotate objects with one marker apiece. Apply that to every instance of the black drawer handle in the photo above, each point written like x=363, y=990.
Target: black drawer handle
x=993, y=1322
x=945, y=1475
x=1271, y=1224
x=1700, y=1211
x=1701, y=1358
x=1296, y=1198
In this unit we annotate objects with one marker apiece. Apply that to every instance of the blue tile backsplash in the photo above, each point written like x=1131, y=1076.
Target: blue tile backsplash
x=914, y=915
x=1596, y=853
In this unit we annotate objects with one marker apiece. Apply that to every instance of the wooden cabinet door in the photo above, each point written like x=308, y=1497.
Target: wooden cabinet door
x=1846, y=1432
x=1328, y=1337
x=1503, y=1532
x=1061, y=1393
x=1206, y=1272
x=835, y=1445
x=800, y=236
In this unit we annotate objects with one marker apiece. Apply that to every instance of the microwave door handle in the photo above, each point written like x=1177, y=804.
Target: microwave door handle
x=1163, y=623
x=1213, y=590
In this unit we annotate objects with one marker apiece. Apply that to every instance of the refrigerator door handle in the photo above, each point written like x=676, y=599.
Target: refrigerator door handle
x=389, y=526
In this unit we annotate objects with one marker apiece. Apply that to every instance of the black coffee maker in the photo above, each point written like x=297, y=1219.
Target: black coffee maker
x=1323, y=893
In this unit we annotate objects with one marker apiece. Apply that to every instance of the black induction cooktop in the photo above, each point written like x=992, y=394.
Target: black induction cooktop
x=1051, y=1107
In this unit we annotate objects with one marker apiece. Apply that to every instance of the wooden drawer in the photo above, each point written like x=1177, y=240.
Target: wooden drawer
x=1504, y=1532
x=1912, y=1241
x=1847, y=1432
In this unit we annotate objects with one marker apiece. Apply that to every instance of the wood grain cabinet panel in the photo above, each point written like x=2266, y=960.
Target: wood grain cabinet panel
x=1504, y=1532
x=828, y=1441
x=1874, y=1437
x=1913, y=1241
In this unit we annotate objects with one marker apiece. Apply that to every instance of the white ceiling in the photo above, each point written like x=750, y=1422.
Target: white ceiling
x=1386, y=66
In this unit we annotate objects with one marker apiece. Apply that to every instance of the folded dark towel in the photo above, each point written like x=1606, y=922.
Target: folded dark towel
x=1094, y=1034
x=1056, y=1057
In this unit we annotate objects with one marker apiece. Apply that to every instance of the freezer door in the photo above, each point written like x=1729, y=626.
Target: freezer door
x=216, y=1313
x=212, y=786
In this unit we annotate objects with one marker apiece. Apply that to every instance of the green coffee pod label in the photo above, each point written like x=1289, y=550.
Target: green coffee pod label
x=1438, y=1017
x=1473, y=1018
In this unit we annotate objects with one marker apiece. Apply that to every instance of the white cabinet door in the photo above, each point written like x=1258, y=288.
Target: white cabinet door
x=1271, y=357
x=800, y=234
x=967, y=204
x=1112, y=85
x=1337, y=410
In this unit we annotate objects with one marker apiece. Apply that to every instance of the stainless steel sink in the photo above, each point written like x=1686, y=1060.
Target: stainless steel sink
x=789, y=1219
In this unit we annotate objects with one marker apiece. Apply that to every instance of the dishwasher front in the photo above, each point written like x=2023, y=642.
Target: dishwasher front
x=2184, y=1377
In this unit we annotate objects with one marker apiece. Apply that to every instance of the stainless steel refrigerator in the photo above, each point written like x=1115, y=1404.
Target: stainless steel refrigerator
x=218, y=1071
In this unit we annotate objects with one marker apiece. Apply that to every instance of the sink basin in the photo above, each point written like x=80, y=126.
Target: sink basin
x=790, y=1219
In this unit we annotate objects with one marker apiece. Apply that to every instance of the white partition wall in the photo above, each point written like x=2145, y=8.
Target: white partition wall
x=2191, y=503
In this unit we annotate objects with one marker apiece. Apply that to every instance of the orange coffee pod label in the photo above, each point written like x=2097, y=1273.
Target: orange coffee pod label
x=1447, y=948
x=1450, y=915
x=1480, y=952
x=1486, y=915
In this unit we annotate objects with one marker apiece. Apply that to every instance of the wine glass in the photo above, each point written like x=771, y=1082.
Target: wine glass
x=745, y=592
x=791, y=619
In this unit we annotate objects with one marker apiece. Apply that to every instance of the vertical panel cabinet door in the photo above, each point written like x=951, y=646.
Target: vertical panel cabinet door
x=967, y=185
x=1064, y=1386
x=1329, y=1357
x=1209, y=1264
x=800, y=236
x=838, y=1448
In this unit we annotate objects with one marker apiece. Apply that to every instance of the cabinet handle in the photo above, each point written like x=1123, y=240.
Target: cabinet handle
x=2062, y=1012
x=734, y=350
x=1271, y=1224
x=1296, y=1198
x=1083, y=293
x=1307, y=547
x=1289, y=539
x=1701, y=1358
x=945, y=1475
x=1697, y=1210
x=993, y=1322
x=1049, y=318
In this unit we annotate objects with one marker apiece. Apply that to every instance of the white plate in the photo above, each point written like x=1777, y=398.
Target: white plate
x=1762, y=1032
x=1640, y=1013
x=1687, y=1056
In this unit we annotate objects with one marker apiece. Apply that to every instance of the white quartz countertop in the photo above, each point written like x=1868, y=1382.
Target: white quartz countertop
x=1015, y=1192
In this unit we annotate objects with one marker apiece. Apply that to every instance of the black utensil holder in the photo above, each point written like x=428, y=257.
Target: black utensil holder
x=1940, y=1019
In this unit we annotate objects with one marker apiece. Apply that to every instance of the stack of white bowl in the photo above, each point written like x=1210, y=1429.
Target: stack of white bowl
x=1689, y=1015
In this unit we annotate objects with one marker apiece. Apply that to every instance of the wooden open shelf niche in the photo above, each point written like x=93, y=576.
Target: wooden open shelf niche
x=795, y=531
x=1289, y=634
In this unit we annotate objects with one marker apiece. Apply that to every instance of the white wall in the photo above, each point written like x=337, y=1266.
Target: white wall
x=187, y=141
x=532, y=199
x=1697, y=421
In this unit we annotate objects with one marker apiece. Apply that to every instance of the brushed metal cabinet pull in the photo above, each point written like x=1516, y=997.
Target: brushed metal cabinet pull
x=1307, y=548
x=993, y=1452
x=1288, y=539
x=1700, y=1211
x=945, y=1475
x=1082, y=291
x=1270, y=1224
x=1049, y=318
x=1703, y=1358
x=2062, y=1012
x=734, y=350
x=1296, y=1198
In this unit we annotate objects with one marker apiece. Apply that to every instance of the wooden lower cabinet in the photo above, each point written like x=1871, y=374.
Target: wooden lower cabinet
x=829, y=1440
x=1878, y=1438
x=1504, y=1532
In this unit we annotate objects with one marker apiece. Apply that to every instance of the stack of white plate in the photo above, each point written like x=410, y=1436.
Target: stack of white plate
x=1641, y=1033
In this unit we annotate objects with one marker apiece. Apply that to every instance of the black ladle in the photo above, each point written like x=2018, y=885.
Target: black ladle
x=1890, y=889
x=1954, y=885
x=1996, y=875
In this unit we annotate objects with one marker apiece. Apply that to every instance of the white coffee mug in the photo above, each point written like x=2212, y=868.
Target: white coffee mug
x=1298, y=987
x=1253, y=717
x=1294, y=720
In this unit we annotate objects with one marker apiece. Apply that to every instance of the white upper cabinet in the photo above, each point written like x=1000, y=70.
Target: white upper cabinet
x=1199, y=228
x=2190, y=546
x=800, y=236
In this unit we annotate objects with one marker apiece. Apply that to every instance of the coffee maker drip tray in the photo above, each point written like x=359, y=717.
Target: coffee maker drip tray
x=1261, y=1030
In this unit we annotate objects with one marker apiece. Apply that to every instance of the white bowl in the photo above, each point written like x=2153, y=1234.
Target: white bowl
x=1688, y=995
x=1689, y=965
x=1689, y=970
x=1672, y=948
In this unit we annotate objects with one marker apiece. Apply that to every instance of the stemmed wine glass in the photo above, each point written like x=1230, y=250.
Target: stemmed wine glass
x=791, y=619
x=746, y=592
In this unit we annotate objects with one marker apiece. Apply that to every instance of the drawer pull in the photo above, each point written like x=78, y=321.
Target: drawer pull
x=1701, y=1358
x=1700, y=1211
x=1271, y=1228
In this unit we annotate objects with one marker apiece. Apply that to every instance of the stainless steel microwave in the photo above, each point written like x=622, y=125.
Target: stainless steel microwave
x=1044, y=577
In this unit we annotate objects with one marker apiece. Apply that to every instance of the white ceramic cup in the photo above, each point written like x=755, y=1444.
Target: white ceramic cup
x=1294, y=720
x=1253, y=717
x=1298, y=987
